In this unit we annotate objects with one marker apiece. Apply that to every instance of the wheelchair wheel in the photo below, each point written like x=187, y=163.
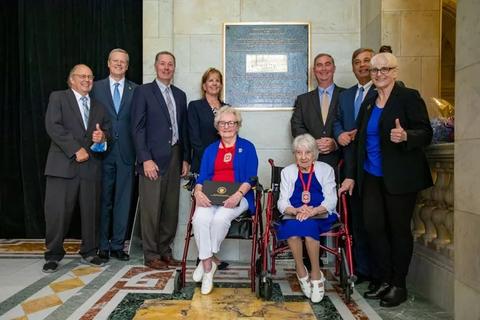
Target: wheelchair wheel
x=177, y=281
x=345, y=282
x=268, y=288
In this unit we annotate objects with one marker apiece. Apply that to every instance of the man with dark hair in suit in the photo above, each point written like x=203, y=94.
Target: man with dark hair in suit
x=315, y=111
x=115, y=92
x=159, y=127
x=77, y=126
x=345, y=130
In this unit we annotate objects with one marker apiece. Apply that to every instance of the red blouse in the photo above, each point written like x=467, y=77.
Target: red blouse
x=223, y=168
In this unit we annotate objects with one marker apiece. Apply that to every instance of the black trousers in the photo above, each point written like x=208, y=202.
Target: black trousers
x=387, y=219
x=61, y=197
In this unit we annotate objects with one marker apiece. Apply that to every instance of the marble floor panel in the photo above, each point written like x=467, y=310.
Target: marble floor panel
x=132, y=291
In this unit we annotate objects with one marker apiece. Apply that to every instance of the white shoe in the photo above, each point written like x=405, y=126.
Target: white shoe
x=207, y=280
x=198, y=273
x=318, y=290
x=305, y=284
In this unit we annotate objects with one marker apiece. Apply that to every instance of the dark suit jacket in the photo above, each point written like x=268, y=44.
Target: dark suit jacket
x=64, y=125
x=405, y=167
x=151, y=126
x=201, y=130
x=307, y=118
x=121, y=133
x=345, y=119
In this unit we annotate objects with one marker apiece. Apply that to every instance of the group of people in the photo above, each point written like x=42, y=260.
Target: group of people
x=379, y=128
x=104, y=132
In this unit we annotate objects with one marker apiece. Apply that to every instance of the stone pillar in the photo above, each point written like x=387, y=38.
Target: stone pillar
x=467, y=168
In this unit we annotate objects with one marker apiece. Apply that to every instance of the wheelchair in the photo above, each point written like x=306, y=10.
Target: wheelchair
x=247, y=226
x=341, y=249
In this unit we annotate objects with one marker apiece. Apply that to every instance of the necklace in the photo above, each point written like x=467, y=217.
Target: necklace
x=306, y=196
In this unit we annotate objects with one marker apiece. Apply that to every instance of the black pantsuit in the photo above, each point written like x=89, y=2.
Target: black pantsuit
x=389, y=200
x=387, y=221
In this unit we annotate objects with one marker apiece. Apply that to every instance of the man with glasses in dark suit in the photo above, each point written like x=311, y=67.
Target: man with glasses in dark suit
x=77, y=126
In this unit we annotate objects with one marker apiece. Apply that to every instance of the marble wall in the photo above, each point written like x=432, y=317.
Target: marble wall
x=412, y=28
x=192, y=30
x=467, y=170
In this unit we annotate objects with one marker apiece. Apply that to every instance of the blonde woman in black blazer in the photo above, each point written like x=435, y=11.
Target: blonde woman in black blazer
x=388, y=166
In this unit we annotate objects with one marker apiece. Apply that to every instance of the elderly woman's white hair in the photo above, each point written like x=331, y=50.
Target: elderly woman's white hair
x=306, y=142
x=385, y=59
x=228, y=109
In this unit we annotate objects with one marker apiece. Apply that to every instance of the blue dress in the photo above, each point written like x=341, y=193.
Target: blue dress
x=310, y=227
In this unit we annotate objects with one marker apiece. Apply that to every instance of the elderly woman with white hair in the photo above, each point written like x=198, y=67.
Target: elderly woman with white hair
x=307, y=201
x=389, y=167
x=230, y=159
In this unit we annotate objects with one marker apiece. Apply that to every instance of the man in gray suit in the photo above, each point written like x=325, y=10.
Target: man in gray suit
x=315, y=111
x=77, y=125
x=115, y=93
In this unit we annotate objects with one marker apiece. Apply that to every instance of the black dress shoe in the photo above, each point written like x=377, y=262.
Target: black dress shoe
x=120, y=255
x=50, y=266
x=379, y=291
x=104, y=255
x=394, y=297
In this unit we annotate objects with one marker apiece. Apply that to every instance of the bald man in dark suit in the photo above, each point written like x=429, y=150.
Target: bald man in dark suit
x=77, y=125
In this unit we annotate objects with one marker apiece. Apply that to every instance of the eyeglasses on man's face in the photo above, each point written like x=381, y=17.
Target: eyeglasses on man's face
x=226, y=124
x=382, y=70
x=84, y=76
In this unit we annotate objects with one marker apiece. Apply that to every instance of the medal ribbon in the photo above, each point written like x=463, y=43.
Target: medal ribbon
x=310, y=175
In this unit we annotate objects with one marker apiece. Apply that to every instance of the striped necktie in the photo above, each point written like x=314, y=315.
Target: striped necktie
x=86, y=111
x=171, y=111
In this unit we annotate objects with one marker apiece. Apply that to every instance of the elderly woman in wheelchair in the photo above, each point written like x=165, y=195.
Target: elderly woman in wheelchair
x=231, y=159
x=307, y=203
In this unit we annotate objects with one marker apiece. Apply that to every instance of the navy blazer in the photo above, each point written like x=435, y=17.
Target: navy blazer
x=201, y=130
x=151, y=126
x=345, y=119
x=307, y=118
x=121, y=132
x=405, y=167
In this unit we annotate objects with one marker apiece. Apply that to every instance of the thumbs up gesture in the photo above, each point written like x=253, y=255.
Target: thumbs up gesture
x=398, y=134
x=98, y=136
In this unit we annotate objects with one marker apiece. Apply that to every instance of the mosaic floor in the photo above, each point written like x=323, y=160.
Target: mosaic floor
x=132, y=291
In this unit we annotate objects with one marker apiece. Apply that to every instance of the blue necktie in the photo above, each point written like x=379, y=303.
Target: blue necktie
x=358, y=101
x=116, y=97
x=86, y=111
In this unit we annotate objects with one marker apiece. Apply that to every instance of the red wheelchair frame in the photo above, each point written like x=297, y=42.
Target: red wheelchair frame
x=342, y=250
x=255, y=236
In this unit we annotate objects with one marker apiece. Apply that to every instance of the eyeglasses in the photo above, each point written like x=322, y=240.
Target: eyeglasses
x=85, y=76
x=383, y=70
x=226, y=124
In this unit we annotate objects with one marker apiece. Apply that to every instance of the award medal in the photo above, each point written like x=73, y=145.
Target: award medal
x=227, y=157
x=306, y=197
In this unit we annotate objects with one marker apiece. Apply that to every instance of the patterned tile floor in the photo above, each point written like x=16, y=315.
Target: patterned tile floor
x=130, y=290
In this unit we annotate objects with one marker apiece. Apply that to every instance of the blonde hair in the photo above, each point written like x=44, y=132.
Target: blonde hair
x=205, y=76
